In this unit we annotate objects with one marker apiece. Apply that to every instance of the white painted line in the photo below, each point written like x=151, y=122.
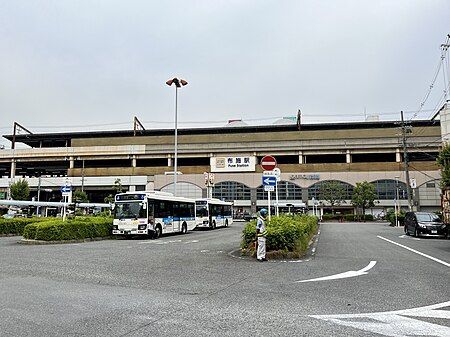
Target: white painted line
x=416, y=251
x=395, y=324
x=347, y=274
x=204, y=251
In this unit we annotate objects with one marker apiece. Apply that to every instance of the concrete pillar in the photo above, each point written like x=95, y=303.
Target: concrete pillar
x=253, y=198
x=398, y=157
x=169, y=161
x=13, y=169
x=444, y=115
x=132, y=188
x=300, y=157
x=348, y=157
x=71, y=163
x=305, y=195
x=133, y=161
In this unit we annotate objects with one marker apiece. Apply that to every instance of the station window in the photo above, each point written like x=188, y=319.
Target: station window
x=286, y=191
x=314, y=191
x=231, y=190
x=386, y=189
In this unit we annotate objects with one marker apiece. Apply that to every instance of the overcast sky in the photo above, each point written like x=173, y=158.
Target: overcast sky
x=68, y=64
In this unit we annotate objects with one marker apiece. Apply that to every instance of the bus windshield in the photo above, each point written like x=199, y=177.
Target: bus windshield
x=201, y=210
x=129, y=210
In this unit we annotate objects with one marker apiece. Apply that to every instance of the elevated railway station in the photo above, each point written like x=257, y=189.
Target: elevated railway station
x=307, y=154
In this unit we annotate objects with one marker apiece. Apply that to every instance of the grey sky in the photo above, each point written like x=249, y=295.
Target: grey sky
x=72, y=63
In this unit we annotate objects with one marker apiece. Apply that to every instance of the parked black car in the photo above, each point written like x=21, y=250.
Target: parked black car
x=425, y=224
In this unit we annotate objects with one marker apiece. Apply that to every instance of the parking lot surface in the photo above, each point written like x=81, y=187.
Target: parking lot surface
x=190, y=285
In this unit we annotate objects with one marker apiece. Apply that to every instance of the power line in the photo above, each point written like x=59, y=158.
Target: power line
x=441, y=64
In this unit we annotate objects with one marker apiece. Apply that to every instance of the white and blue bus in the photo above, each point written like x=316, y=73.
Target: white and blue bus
x=152, y=213
x=210, y=213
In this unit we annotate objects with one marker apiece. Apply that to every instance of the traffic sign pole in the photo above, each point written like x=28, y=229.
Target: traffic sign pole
x=276, y=198
x=268, y=202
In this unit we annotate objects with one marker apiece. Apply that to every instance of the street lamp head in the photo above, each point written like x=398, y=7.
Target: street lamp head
x=178, y=83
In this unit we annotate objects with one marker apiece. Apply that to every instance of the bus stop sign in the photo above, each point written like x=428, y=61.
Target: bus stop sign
x=268, y=163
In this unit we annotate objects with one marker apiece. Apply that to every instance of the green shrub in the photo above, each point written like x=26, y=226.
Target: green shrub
x=350, y=217
x=390, y=216
x=16, y=225
x=73, y=229
x=284, y=233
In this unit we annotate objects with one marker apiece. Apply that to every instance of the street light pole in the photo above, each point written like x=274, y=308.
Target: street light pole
x=178, y=83
x=175, y=166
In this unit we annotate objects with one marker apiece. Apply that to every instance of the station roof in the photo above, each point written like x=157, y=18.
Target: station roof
x=62, y=139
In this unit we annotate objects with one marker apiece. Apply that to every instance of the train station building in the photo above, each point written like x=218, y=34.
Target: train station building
x=307, y=155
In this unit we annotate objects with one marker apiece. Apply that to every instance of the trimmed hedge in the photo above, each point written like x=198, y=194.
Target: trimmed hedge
x=17, y=225
x=73, y=229
x=347, y=217
x=287, y=236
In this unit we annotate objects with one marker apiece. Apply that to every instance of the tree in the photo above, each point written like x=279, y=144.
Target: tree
x=80, y=196
x=364, y=196
x=117, y=187
x=443, y=161
x=333, y=192
x=20, y=190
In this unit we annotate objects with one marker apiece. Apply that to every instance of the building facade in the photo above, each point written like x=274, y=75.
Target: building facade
x=307, y=155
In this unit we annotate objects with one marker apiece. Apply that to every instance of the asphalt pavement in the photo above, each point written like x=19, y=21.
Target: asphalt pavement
x=378, y=282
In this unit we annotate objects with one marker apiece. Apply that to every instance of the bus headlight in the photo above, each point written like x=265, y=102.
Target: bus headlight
x=142, y=227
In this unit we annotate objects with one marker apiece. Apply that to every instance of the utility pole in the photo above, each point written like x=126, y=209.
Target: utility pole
x=406, y=163
x=38, y=196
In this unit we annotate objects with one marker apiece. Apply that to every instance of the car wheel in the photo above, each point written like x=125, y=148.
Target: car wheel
x=184, y=228
x=158, y=232
x=416, y=232
x=407, y=231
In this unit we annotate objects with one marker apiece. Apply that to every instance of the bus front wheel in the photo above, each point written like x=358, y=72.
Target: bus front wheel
x=157, y=233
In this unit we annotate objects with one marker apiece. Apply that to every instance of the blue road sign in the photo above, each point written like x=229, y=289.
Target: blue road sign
x=66, y=189
x=269, y=180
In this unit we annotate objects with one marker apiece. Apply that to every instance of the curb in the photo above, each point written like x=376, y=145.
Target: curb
x=309, y=255
x=42, y=242
x=8, y=235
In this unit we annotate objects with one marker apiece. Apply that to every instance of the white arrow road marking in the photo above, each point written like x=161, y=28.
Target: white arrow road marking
x=416, y=251
x=394, y=324
x=347, y=274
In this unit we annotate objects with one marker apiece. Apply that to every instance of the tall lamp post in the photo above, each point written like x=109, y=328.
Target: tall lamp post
x=178, y=83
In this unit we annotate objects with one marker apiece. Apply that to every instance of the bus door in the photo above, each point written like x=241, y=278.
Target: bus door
x=176, y=223
x=164, y=215
x=151, y=212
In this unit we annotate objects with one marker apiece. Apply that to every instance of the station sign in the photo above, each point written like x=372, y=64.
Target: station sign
x=268, y=163
x=233, y=164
